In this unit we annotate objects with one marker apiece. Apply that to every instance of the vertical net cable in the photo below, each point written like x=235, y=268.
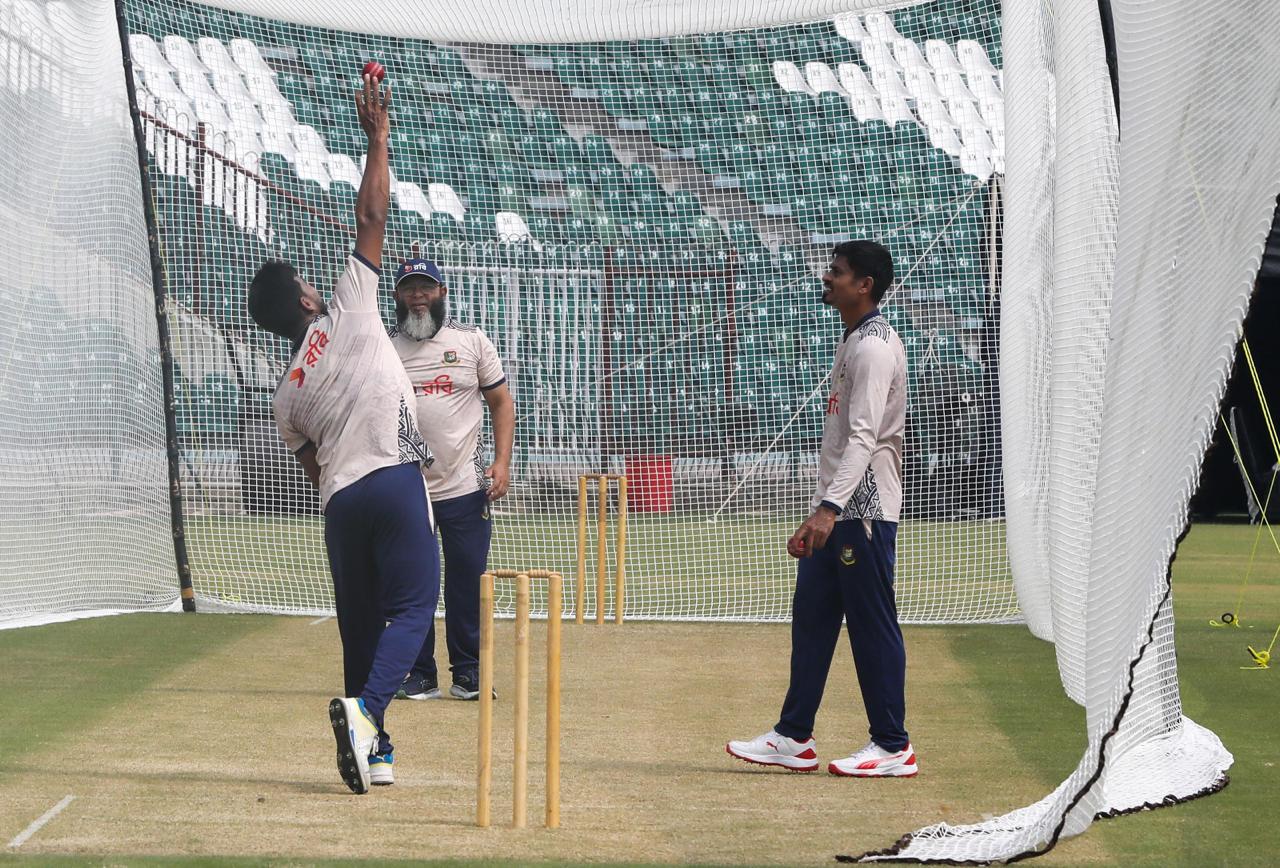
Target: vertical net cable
x=84, y=524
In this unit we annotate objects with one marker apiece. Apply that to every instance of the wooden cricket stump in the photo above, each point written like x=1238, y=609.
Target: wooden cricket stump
x=602, y=481
x=484, y=758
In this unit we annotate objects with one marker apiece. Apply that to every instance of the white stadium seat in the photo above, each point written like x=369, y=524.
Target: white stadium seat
x=933, y=112
x=229, y=85
x=878, y=55
x=941, y=56
x=310, y=167
x=848, y=26
x=195, y=84
x=512, y=227
x=889, y=85
x=210, y=110
x=854, y=80
x=920, y=84
x=307, y=139
x=908, y=54
x=866, y=106
x=973, y=58
x=896, y=110
x=342, y=168
x=975, y=159
x=248, y=58
x=277, y=141
x=214, y=55
x=952, y=85
x=146, y=53
x=821, y=79
x=182, y=55
x=409, y=197
x=443, y=199
x=944, y=138
x=880, y=27
x=790, y=78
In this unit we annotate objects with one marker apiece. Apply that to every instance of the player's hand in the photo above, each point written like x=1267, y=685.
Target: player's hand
x=499, y=476
x=372, y=104
x=812, y=534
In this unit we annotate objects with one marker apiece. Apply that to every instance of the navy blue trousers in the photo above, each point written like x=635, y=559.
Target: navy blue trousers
x=849, y=579
x=386, y=580
x=465, y=532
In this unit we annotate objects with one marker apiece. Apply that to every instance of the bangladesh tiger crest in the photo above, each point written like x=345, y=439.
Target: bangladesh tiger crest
x=451, y=357
x=846, y=556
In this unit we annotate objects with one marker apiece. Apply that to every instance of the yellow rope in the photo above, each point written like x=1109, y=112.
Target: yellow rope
x=1261, y=659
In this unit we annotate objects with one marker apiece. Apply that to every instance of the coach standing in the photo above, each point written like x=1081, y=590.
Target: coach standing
x=344, y=409
x=452, y=366
x=847, y=546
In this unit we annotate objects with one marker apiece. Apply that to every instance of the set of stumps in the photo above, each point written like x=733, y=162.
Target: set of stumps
x=555, y=612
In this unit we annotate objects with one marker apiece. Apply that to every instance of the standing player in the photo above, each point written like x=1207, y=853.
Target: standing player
x=345, y=409
x=451, y=366
x=847, y=546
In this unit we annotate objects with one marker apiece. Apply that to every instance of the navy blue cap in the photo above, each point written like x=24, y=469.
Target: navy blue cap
x=419, y=267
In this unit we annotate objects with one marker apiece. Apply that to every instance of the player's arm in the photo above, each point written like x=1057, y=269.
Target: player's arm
x=307, y=458
x=503, y=407
x=372, y=104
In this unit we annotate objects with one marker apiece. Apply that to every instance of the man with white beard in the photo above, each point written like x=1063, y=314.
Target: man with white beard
x=451, y=366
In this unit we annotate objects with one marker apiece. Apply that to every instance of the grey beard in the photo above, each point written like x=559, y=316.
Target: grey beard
x=421, y=327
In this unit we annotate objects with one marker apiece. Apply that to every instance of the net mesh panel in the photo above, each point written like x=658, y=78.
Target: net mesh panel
x=1196, y=181
x=84, y=518
x=639, y=227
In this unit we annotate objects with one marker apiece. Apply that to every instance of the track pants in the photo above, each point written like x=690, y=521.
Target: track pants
x=849, y=579
x=465, y=533
x=386, y=580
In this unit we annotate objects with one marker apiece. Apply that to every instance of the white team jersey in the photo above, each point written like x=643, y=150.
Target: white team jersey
x=860, y=468
x=448, y=373
x=346, y=392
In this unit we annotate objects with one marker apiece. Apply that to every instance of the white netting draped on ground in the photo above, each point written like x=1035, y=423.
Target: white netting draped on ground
x=638, y=224
x=84, y=513
x=1197, y=185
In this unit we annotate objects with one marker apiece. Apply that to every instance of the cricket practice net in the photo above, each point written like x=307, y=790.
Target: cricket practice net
x=638, y=224
x=634, y=203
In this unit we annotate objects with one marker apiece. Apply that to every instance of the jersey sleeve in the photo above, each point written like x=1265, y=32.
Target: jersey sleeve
x=357, y=288
x=870, y=370
x=489, y=365
x=293, y=439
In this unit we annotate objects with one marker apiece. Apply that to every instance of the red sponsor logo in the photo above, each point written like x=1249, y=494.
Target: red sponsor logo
x=297, y=375
x=315, y=348
x=833, y=404
x=441, y=385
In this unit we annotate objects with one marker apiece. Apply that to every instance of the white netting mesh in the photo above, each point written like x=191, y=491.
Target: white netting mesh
x=636, y=222
x=84, y=517
x=1197, y=183
x=637, y=225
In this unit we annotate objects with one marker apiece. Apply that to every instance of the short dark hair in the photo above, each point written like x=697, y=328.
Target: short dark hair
x=273, y=298
x=868, y=259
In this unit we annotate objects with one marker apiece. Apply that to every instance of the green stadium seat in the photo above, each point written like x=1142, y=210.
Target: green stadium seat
x=443, y=228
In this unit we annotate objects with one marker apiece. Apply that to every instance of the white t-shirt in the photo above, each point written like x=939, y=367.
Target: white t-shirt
x=860, y=467
x=448, y=372
x=346, y=392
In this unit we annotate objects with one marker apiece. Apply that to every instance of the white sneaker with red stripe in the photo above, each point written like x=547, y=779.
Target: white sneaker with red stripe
x=873, y=761
x=772, y=749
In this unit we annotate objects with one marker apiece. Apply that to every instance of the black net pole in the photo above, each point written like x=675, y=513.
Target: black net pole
x=162, y=327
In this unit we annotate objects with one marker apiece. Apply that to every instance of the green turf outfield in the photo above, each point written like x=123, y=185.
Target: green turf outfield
x=188, y=740
x=685, y=565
